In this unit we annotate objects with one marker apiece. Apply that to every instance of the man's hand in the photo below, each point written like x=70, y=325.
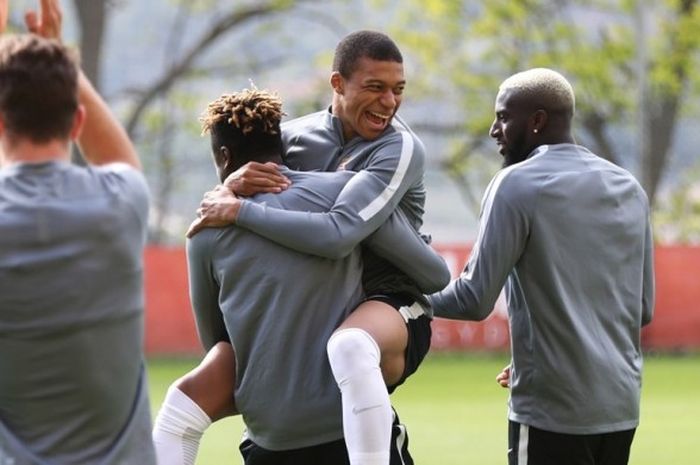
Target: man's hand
x=46, y=23
x=503, y=377
x=253, y=178
x=218, y=208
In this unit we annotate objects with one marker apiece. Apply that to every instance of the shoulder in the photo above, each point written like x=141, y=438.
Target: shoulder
x=402, y=142
x=201, y=246
x=514, y=185
x=125, y=182
x=304, y=122
x=124, y=171
x=132, y=177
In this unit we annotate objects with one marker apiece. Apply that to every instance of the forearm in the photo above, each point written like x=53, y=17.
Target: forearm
x=460, y=300
x=103, y=139
x=400, y=244
x=331, y=235
x=204, y=293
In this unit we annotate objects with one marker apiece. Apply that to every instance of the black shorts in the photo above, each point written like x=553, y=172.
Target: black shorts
x=533, y=446
x=419, y=333
x=329, y=453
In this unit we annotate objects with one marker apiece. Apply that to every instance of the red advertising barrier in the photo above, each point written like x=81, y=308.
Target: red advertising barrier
x=170, y=327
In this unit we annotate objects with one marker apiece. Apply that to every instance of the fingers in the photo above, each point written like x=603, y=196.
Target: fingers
x=31, y=20
x=256, y=177
x=195, y=227
x=51, y=19
x=4, y=8
x=503, y=378
x=48, y=22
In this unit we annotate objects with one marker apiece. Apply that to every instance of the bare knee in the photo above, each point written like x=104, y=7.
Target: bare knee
x=212, y=383
x=387, y=328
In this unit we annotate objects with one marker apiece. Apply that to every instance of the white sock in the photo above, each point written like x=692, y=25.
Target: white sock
x=178, y=428
x=354, y=357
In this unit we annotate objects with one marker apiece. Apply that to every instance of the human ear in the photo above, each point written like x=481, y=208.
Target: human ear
x=78, y=122
x=539, y=121
x=225, y=157
x=337, y=82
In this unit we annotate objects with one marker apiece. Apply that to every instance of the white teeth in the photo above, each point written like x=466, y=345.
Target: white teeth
x=378, y=115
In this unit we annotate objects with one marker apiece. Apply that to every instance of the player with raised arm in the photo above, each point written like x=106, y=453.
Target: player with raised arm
x=73, y=387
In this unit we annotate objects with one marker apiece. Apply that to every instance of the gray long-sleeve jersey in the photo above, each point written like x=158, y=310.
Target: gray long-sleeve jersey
x=72, y=382
x=278, y=307
x=569, y=235
x=390, y=175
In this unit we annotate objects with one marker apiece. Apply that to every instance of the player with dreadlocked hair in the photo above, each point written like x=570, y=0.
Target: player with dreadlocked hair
x=246, y=123
x=265, y=312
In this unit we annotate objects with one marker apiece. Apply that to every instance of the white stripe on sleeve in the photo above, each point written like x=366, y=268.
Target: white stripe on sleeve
x=383, y=198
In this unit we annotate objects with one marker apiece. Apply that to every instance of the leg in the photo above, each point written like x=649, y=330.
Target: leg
x=533, y=446
x=615, y=448
x=203, y=395
x=330, y=453
x=375, y=333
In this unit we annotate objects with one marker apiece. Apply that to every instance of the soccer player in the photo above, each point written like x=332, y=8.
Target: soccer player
x=73, y=387
x=568, y=234
x=276, y=306
x=377, y=346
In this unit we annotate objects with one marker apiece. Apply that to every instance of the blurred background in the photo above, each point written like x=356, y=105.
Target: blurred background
x=634, y=66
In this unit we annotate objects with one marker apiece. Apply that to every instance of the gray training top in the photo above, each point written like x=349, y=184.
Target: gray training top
x=569, y=235
x=390, y=175
x=72, y=383
x=281, y=306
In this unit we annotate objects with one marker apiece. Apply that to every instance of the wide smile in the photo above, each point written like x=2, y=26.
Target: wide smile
x=376, y=119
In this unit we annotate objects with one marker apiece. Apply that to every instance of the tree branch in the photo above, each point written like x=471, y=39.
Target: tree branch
x=185, y=63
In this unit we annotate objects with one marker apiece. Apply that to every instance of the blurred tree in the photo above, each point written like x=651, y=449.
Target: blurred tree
x=633, y=64
x=162, y=110
x=184, y=62
x=92, y=17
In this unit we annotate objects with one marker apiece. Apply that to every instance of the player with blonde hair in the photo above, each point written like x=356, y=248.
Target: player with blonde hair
x=568, y=234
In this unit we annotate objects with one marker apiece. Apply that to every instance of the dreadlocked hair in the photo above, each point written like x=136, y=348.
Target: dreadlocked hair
x=250, y=110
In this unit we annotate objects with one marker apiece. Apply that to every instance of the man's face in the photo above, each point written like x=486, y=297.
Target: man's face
x=369, y=98
x=511, y=128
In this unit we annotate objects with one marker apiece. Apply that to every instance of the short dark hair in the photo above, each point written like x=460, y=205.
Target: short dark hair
x=361, y=44
x=38, y=87
x=247, y=122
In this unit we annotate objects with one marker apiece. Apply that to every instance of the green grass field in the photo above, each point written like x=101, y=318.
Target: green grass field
x=456, y=413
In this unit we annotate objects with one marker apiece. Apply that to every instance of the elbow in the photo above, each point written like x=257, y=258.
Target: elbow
x=442, y=277
x=480, y=315
x=435, y=281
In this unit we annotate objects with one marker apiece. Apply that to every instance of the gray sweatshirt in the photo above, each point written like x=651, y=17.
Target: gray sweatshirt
x=72, y=382
x=568, y=234
x=278, y=307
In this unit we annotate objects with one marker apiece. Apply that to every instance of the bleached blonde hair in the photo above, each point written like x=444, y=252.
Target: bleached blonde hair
x=248, y=110
x=544, y=86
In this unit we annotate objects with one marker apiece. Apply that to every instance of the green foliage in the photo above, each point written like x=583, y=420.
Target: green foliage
x=678, y=221
x=465, y=49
